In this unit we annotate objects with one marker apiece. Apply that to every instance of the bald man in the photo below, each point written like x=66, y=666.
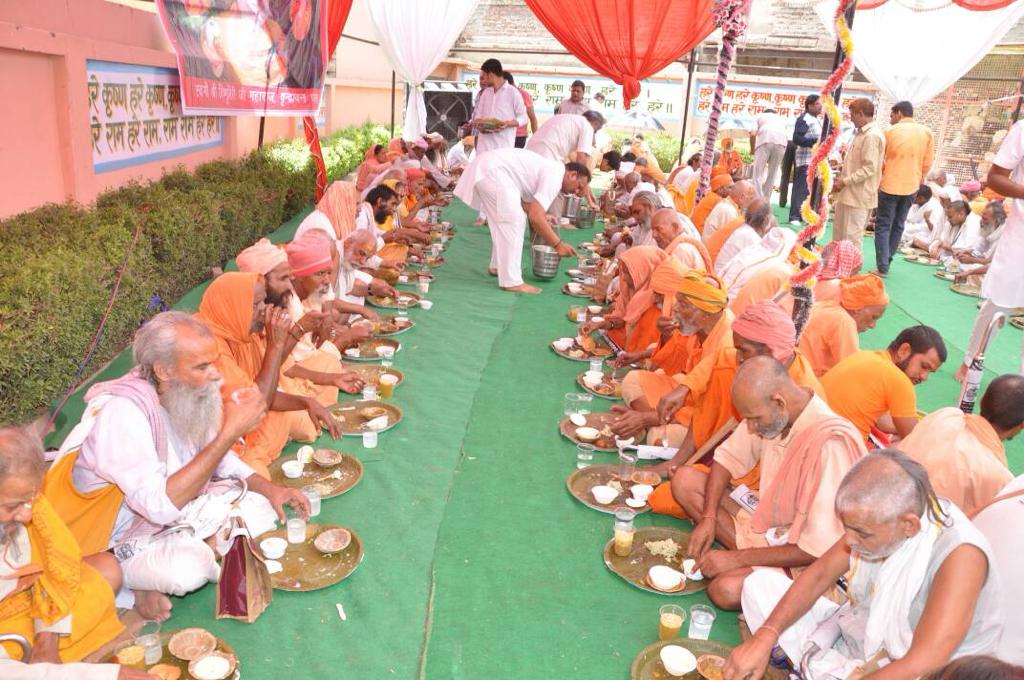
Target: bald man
x=803, y=449
x=676, y=235
x=740, y=195
x=725, y=244
x=630, y=182
x=964, y=453
x=918, y=581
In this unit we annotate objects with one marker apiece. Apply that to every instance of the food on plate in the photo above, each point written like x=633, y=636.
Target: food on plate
x=666, y=548
x=371, y=412
x=332, y=540
x=165, y=671
x=130, y=655
x=191, y=643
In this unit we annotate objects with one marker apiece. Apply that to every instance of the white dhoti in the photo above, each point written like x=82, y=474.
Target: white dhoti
x=178, y=562
x=762, y=591
x=501, y=204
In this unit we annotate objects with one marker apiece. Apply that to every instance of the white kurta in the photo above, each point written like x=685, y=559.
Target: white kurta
x=741, y=239
x=561, y=136
x=723, y=213
x=505, y=103
x=498, y=183
x=1004, y=282
x=684, y=177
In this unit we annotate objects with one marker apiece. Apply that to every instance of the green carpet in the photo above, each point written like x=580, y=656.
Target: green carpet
x=478, y=563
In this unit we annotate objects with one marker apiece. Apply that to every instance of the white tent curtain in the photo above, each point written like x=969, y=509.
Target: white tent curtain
x=417, y=35
x=914, y=52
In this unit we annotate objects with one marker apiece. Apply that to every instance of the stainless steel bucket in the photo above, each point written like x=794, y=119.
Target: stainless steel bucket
x=545, y=261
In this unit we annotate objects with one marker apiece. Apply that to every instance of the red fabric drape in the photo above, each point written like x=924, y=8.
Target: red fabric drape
x=626, y=40
x=976, y=5
x=337, y=15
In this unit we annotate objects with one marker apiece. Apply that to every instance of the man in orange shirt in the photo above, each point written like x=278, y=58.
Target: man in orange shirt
x=876, y=388
x=831, y=331
x=721, y=187
x=909, y=152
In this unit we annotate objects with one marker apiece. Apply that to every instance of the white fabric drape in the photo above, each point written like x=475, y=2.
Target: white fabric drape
x=417, y=35
x=915, y=55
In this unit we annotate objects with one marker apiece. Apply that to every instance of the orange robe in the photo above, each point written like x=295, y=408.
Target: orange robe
x=964, y=457
x=829, y=336
x=718, y=239
x=56, y=583
x=763, y=285
x=865, y=386
x=226, y=308
x=704, y=208
x=715, y=409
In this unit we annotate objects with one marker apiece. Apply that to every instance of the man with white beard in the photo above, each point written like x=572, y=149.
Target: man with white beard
x=919, y=590
x=153, y=451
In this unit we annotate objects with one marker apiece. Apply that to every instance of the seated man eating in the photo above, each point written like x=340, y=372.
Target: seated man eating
x=920, y=590
x=803, y=450
x=149, y=454
x=59, y=600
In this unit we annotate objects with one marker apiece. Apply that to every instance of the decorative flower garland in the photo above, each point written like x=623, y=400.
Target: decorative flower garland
x=802, y=283
x=731, y=17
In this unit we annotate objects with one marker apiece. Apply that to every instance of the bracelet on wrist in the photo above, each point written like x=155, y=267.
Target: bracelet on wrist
x=771, y=629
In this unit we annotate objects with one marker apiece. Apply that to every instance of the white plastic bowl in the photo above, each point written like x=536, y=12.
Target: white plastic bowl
x=292, y=469
x=678, y=661
x=562, y=344
x=604, y=494
x=642, y=491
x=595, y=309
x=273, y=547
x=593, y=378
x=578, y=419
x=588, y=434
x=691, y=570
x=665, y=578
x=426, y=304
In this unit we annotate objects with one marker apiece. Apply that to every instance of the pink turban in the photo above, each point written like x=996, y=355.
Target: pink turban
x=970, y=185
x=261, y=257
x=767, y=323
x=840, y=260
x=421, y=144
x=308, y=254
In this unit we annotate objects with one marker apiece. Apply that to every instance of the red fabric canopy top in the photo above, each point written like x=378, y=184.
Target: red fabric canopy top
x=627, y=40
x=975, y=5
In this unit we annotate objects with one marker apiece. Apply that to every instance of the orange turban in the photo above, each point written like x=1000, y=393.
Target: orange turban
x=727, y=143
x=767, y=323
x=704, y=290
x=308, y=255
x=261, y=257
x=720, y=180
x=858, y=292
x=665, y=281
x=227, y=308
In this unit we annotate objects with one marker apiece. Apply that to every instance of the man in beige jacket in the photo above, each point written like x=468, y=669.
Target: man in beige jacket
x=856, y=189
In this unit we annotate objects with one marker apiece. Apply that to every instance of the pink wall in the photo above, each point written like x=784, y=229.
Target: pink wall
x=45, y=152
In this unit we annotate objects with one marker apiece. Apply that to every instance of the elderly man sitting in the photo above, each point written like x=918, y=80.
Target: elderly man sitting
x=919, y=587
x=641, y=210
x=964, y=452
x=149, y=453
x=676, y=235
x=59, y=600
x=728, y=214
x=727, y=243
x=832, y=328
x=803, y=450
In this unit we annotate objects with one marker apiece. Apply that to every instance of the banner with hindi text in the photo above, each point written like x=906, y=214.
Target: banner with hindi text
x=135, y=116
x=243, y=57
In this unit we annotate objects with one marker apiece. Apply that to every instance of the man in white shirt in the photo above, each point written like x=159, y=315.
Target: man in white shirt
x=502, y=102
x=419, y=152
x=759, y=220
x=688, y=174
x=769, y=143
x=561, y=136
x=925, y=218
x=574, y=104
x=161, y=437
x=460, y=154
x=963, y=231
x=512, y=186
x=740, y=196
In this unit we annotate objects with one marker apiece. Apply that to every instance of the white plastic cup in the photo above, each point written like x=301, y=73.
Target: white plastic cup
x=296, y=530
x=426, y=304
x=369, y=392
x=313, y=496
x=370, y=439
x=423, y=286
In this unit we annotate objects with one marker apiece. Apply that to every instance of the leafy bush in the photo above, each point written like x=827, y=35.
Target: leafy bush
x=665, y=147
x=59, y=263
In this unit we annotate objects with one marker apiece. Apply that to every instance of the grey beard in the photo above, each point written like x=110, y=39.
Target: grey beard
x=195, y=413
x=7, y=531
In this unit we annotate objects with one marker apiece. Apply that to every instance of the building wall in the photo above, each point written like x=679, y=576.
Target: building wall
x=45, y=152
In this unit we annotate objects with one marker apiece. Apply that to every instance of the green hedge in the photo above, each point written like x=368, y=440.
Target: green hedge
x=665, y=147
x=59, y=263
